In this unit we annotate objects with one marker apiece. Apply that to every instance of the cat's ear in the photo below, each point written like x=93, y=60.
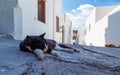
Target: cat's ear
x=29, y=38
x=42, y=35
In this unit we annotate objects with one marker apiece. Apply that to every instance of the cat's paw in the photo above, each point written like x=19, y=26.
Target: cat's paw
x=55, y=53
x=39, y=54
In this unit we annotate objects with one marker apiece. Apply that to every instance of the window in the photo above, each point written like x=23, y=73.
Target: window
x=41, y=10
x=57, y=24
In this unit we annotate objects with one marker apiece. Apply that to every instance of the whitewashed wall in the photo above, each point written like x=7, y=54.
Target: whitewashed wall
x=105, y=30
x=17, y=22
x=81, y=36
x=30, y=24
x=101, y=11
x=68, y=30
x=7, y=16
x=88, y=30
x=58, y=11
x=22, y=18
x=112, y=30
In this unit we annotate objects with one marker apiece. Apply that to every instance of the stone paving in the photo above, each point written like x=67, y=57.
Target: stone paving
x=114, y=52
x=90, y=61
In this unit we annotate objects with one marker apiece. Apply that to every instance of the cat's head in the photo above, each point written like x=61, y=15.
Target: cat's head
x=36, y=42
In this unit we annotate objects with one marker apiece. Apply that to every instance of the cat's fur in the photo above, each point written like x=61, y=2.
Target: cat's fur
x=39, y=45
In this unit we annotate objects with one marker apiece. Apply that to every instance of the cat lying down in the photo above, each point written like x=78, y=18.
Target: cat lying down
x=39, y=45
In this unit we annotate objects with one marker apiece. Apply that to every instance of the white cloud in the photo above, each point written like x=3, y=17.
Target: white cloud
x=74, y=11
x=79, y=15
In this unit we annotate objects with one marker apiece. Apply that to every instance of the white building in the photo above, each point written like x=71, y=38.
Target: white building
x=102, y=26
x=67, y=30
x=81, y=36
x=31, y=17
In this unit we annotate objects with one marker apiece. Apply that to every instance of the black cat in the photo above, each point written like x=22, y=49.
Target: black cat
x=39, y=45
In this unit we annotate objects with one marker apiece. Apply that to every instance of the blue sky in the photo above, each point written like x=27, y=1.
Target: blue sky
x=68, y=5
x=79, y=10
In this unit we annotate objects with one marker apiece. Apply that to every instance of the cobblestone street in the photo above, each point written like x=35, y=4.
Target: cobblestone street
x=90, y=61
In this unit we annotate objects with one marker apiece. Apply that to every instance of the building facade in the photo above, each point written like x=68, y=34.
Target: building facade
x=67, y=30
x=81, y=36
x=31, y=17
x=102, y=26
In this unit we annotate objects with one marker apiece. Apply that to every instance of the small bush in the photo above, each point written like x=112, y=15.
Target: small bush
x=74, y=37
